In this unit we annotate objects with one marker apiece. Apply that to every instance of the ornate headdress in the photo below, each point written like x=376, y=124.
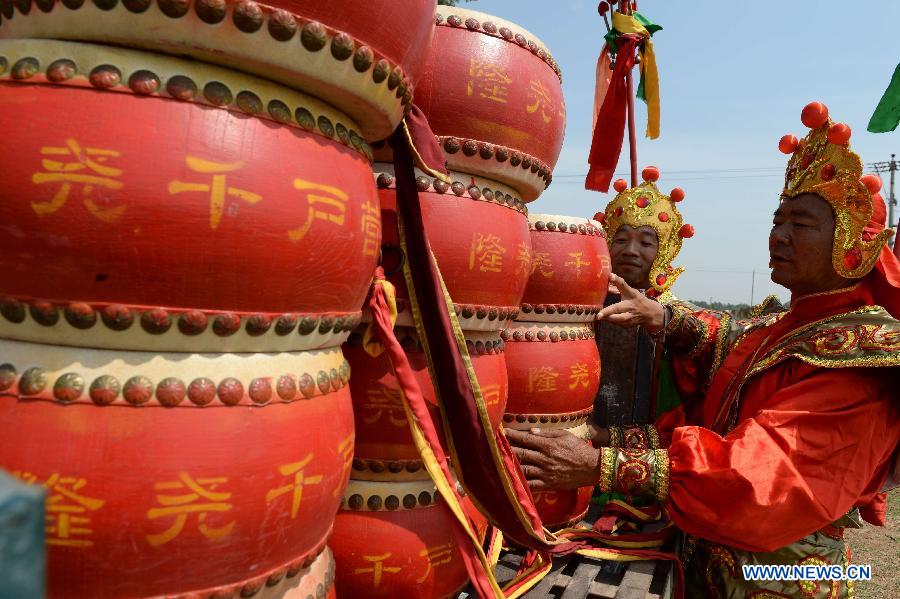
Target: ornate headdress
x=823, y=164
x=647, y=205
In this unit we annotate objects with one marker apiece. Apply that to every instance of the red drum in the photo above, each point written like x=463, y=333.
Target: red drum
x=554, y=375
x=154, y=224
x=569, y=270
x=384, y=445
x=362, y=60
x=478, y=232
x=394, y=540
x=492, y=93
x=563, y=508
x=183, y=473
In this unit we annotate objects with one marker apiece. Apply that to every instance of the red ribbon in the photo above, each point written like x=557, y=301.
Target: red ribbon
x=609, y=131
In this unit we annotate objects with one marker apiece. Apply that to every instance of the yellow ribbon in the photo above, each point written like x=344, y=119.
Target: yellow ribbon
x=628, y=24
x=371, y=344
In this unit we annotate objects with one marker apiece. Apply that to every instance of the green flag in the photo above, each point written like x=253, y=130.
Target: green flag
x=887, y=114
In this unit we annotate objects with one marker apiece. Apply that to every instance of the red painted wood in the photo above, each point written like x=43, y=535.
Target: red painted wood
x=382, y=431
x=567, y=268
x=560, y=508
x=482, y=248
x=482, y=87
x=420, y=555
x=552, y=378
x=110, y=467
x=399, y=31
x=144, y=229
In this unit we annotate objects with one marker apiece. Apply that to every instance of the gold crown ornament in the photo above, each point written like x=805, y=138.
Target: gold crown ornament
x=646, y=205
x=823, y=164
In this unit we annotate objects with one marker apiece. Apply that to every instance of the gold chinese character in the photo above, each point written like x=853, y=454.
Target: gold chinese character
x=579, y=375
x=540, y=99
x=66, y=509
x=540, y=262
x=300, y=481
x=577, y=263
x=378, y=568
x=345, y=450
x=217, y=190
x=605, y=265
x=371, y=229
x=434, y=557
x=542, y=379
x=86, y=167
x=486, y=252
x=383, y=399
x=491, y=395
x=523, y=260
x=545, y=499
x=180, y=506
x=489, y=80
x=333, y=201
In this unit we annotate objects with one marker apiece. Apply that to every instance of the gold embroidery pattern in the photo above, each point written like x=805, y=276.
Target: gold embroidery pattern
x=653, y=435
x=615, y=436
x=607, y=465
x=867, y=337
x=661, y=463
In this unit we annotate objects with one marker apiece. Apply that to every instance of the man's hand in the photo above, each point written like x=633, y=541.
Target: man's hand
x=634, y=309
x=554, y=459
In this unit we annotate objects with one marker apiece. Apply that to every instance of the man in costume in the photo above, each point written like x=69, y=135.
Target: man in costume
x=799, y=410
x=644, y=230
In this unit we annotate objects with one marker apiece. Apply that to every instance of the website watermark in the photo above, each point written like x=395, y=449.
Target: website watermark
x=807, y=572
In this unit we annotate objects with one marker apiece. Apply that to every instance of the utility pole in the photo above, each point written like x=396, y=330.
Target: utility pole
x=891, y=167
x=752, y=287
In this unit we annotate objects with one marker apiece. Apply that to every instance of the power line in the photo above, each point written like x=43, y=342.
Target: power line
x=773, y=169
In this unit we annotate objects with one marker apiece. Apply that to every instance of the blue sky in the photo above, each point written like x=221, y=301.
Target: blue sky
x=734, y=78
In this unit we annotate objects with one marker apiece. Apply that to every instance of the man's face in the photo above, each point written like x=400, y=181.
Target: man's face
x=800, y=246
x=632, y=252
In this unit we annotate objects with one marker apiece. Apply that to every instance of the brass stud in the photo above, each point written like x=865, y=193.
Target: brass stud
x=33, y=381
x=60, y=70
x=313, y=36
x=174, y=9
x=45, y=313
x=170, y=391
x=193, y=322
x=105, y=76
x=211, y=11
x=279, y=111
x=249, y=102
x=381, y=71
x=247, y=16
x=104, y=390
x=138, y=390
x=230, y=391
x=25, y=68
x=217, y=93
x=282, y=25
x=286, y=387
x=137, y=6
x=7, y=376
x=68, y=387
x=363, y=59
x=342, y=46
x=181, y=87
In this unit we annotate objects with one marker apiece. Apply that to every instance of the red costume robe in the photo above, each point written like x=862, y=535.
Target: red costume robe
x=799, y=416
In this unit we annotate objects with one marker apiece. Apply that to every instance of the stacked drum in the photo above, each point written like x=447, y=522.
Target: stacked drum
x=186, y=247
x=552, y=359
x=492, y=95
